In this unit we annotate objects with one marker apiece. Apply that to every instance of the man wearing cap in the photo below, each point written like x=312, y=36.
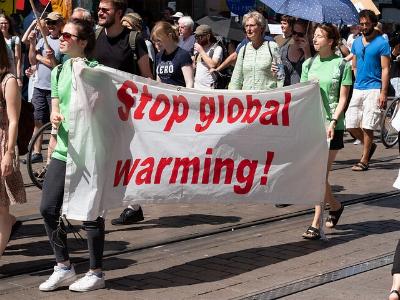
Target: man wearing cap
x=186, y=37
x=208, y=54
x=176, y=17
x=45, y=59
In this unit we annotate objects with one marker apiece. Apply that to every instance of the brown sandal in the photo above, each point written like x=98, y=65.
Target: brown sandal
x=359, y=167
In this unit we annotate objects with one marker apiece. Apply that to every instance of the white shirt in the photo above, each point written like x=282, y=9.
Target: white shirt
x=203, y=78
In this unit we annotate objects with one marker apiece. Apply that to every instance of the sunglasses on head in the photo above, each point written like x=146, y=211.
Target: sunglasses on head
x=299, y=34
x=51, y=22
x=103, y=10
x=68, y=36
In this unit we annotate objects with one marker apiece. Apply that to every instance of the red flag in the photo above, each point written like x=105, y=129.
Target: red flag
x=20, y=5
x=44, y=2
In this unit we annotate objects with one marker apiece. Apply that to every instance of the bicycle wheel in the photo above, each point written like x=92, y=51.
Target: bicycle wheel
x=37, y=170
x=389, y=135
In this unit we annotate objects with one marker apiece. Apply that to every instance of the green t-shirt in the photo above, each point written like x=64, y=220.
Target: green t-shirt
x=327, y=72
x=61, y=89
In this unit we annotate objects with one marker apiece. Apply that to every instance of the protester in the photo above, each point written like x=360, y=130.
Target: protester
x=77, y=41
x=11, y=185
x=334, y=75
x=113, y=49
x=208, y=55
x=167, y=15
x=253, y=67
x=133, y=21
x=294, y=54
x=287, y=23
x=354, y=33
x=395, y=290
x=186, y=36
x=82, y=14
x=176, y=17
x=371, y=63
x=174, y=64
x=45, y=60
x=14, y=43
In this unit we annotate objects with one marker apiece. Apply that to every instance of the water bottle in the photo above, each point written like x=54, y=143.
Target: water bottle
x=280, y=74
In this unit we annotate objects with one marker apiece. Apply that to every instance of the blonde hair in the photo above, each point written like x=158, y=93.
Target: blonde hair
x=256, y=16
x=135, y=20
x=164, y=28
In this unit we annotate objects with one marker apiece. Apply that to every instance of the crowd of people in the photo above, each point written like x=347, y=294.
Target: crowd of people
x=176, y=52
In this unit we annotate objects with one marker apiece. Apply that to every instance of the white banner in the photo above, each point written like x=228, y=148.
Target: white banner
x=133, y=140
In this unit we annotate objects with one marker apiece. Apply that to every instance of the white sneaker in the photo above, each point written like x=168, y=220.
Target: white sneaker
x=58, y=278
x=89, y=282
x=357, y=142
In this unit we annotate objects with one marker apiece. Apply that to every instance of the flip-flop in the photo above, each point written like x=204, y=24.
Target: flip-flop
x=372, y=151
x=15, y=228
x=333, y=217
x=359, y=167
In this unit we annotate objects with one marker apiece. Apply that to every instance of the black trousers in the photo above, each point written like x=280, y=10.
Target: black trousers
x=50, y=209
x=396, y=261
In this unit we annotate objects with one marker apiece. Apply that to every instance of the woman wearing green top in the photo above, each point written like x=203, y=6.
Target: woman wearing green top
x=77, y=41
x=335, y=80
x=254, y=62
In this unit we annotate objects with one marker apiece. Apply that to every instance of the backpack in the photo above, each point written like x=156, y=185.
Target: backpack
x=222, y=78
x=132, y=43
x=26, y=122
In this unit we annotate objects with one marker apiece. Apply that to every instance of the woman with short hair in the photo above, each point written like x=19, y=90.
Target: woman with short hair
x=253, y=69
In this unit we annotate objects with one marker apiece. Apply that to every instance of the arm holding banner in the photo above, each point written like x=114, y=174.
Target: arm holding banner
x=237, y=75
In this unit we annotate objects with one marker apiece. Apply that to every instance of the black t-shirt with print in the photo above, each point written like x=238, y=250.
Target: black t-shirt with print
x=169, y=66
x=116, y=52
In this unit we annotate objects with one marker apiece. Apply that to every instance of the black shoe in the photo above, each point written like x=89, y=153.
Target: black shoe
x=129, y=216
x=282, y=205
x=35, y=158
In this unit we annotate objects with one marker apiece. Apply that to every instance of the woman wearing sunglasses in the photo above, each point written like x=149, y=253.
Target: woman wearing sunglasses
x=77, y=41
x=295, y=52
x=335, y=79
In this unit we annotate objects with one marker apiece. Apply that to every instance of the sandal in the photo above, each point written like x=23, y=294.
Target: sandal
x=333, y=217
x=312, y=233
x=359, y=167
x=371, y=151
x=395, y=292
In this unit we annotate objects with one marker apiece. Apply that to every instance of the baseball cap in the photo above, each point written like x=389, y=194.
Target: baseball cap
x=177, y=15
x=54, y=16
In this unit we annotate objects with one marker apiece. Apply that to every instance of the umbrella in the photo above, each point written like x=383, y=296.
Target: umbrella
x=224, y=27
x=320, y=11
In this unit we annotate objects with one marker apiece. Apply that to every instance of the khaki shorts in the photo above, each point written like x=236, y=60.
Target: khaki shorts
x=364, y=111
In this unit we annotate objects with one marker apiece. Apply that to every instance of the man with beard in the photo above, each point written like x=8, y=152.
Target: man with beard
x=208, y=54
x=114, y=49
x=371, y=64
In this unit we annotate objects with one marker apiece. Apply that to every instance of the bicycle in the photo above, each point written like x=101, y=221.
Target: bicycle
x=37, y=171
x=389, y=135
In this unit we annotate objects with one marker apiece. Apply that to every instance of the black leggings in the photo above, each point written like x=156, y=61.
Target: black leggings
x=396, y=261
x=50, y=209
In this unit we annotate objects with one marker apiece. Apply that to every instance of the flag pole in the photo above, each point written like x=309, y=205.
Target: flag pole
x=39, y=25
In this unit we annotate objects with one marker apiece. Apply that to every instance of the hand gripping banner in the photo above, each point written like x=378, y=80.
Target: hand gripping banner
x=134, y=140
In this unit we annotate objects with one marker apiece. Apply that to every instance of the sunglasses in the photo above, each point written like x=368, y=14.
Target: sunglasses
x=199, y=36
x=363, y=53
x=299, y=34
x=51, y=22
x=68, y=36
x=103, y=10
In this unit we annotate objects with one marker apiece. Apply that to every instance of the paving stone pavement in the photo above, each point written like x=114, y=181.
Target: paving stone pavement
x=229, y=265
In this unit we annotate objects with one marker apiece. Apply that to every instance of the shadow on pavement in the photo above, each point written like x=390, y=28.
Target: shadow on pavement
x=227, y=265
x=178, y=222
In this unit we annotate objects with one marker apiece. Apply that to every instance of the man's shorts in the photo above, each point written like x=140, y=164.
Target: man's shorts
x=364, y=111
x=41, y=100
